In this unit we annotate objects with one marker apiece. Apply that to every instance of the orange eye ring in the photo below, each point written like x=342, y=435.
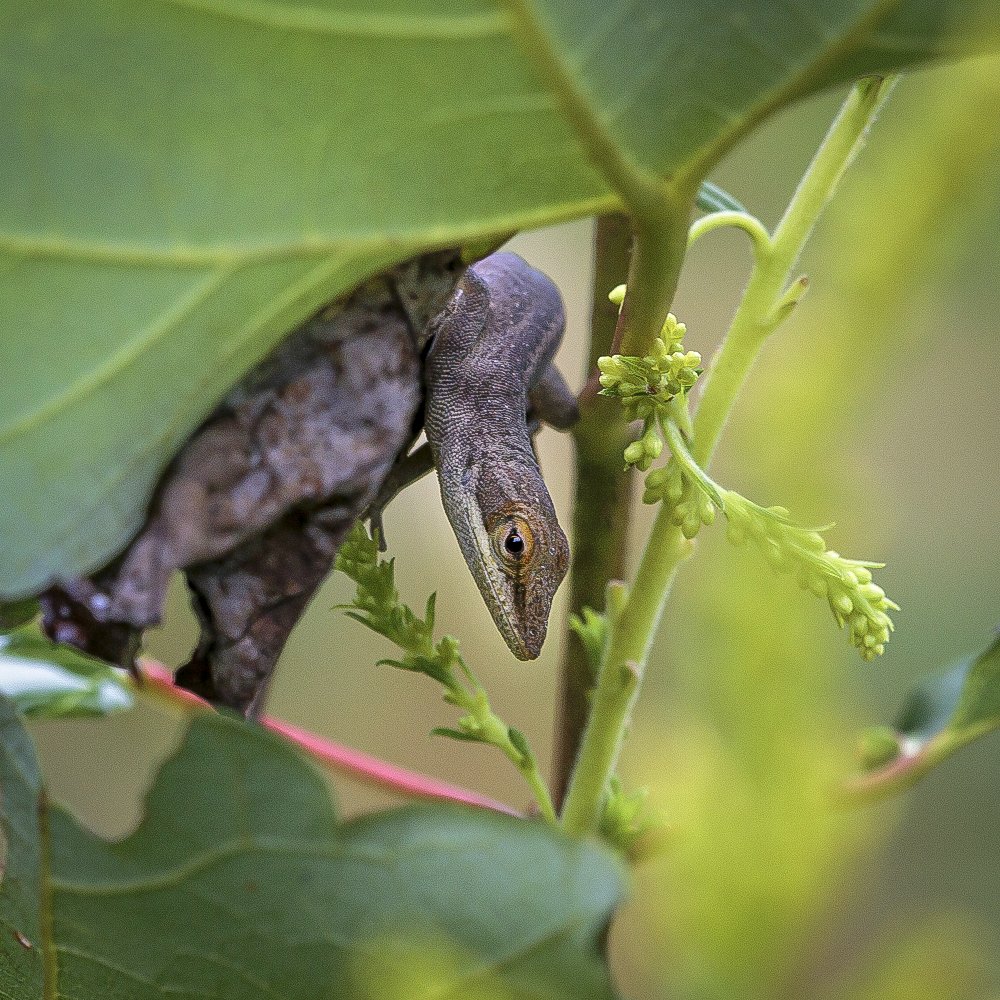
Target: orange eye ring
x=513, y=541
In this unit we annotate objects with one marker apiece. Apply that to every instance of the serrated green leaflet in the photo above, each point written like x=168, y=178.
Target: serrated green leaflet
x=184, y=182
x=240, y=883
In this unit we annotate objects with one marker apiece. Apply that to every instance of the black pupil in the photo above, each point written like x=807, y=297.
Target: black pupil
x=514, y=544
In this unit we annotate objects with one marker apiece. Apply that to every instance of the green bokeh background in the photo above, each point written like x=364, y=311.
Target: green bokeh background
x=751, y=690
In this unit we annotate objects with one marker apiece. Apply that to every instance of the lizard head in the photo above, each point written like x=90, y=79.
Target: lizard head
x=519, y=557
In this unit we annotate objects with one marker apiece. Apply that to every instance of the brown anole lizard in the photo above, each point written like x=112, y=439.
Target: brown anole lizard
x=489, y=368
x=487, y=380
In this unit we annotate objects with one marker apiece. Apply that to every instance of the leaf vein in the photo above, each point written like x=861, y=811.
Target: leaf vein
x=850, y=35
x=347, y=24
x=125, y=356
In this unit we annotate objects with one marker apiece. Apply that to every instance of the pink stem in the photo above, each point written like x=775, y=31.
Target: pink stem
x=355, y=764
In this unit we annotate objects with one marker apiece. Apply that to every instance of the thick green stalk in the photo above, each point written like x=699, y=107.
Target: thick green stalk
x=765, y=303
x=661, y=237
x=602, y=504
x=621, y=673
x=659, y=209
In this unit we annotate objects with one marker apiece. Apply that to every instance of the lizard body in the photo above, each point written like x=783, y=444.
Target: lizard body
x=490, y=361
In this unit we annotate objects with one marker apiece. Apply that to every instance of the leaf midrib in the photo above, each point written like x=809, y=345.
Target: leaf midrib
x=795, y=85
x=345, y=24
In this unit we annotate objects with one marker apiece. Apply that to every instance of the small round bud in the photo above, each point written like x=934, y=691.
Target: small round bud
x=690, y=524
x=842, y=603
x=634, y=452
x=774, y=555
x=813, y=541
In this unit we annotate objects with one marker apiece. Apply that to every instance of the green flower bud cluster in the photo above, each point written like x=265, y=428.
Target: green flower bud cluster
x=647, y=385
x=691, y=506
x=377, y=606
x=856, y=601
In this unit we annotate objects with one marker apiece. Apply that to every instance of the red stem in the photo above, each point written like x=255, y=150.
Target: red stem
x=360, y=766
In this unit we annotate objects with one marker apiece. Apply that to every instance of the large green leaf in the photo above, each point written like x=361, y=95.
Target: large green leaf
x=184, y=181
x=945, y=713
x=239, y=883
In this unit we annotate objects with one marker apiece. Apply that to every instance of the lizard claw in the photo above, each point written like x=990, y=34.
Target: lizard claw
x=376, y=527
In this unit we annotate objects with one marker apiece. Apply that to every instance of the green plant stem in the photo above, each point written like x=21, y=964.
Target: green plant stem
x=759, y=313
x=602, y=505
x=760, y=238
x=695, y=473
x=496, y=733
x=765, y=303
x=660, y=242
x=541, y=792
x=907, y=769
x=621, y=673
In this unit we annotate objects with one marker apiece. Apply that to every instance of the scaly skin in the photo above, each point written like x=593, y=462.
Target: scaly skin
x=490, y=361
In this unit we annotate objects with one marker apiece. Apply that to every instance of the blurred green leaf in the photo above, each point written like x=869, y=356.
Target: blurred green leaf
x=944, y=713
x=964, y=702
x=184, y=183
x=44, y=680
x=240, y=883
x=16, y=614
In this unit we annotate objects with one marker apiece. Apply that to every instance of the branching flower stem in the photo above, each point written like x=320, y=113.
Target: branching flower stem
x=767, y=300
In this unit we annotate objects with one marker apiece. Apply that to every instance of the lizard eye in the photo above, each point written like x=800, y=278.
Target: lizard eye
x=513, y=541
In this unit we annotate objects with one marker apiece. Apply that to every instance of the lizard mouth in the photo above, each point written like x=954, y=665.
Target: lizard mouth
x=507, y=600
x=525, y=643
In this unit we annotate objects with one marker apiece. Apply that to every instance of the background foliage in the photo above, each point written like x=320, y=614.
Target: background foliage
x=877, y=407
x=737, y=719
